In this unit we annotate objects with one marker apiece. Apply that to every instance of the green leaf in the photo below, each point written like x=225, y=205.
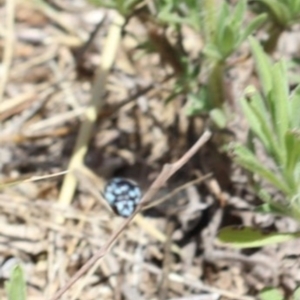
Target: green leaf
x=270, y=294
x=295, y=206
x=254, y=122
x=169, y=17
x=247, y=237
x=247, y=159
x=218, y=32
x=238, y=14
x=16, y=286
x=279, y=10
x=263, y=66
x=252, y=26
x=197, y=103
x=209, y=18
x=282, y=208
x=226, y=43
x=280, y=103
x=296, y=6
x=292, y=144
x=212, y=52
x=297, y=174
x=218, y=116
x=268, y=208
x=294, y=108
x=259, y=120
x=296, y=295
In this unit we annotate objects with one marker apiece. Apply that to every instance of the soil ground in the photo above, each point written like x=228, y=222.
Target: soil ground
x=45, y=94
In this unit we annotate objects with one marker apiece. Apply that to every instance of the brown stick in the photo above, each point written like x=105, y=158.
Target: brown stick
x=167, y=171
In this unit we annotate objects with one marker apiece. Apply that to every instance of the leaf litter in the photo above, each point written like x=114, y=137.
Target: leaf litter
x=170, y=250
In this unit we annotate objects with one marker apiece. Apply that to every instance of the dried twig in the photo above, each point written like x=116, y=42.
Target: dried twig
x=177, y=190
x=167, y=171
x=79, y=55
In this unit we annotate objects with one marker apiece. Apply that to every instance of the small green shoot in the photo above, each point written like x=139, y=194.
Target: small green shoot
x=270, y=294
x=228, y=33
x=16, y=286
x=223, y=37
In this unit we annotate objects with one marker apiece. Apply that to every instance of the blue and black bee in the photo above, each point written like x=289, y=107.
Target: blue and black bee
x=123, y=195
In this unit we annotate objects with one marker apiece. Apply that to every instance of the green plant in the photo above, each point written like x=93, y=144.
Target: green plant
x=221, y=26
x=16, y=286
x=228, y=32
x=273, y=116
x=174, y=12
x=282, y=14
x=223, y=34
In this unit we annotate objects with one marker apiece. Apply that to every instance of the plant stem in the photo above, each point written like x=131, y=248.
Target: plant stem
x=216, y=85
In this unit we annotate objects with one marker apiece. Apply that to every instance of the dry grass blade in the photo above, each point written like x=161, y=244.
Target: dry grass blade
x=12, y=103
x=167, y=260
x=11, y=182
x=167, y=171
x=9, y=42
x=80, y=149
x=154, y=232
x=53, y=14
